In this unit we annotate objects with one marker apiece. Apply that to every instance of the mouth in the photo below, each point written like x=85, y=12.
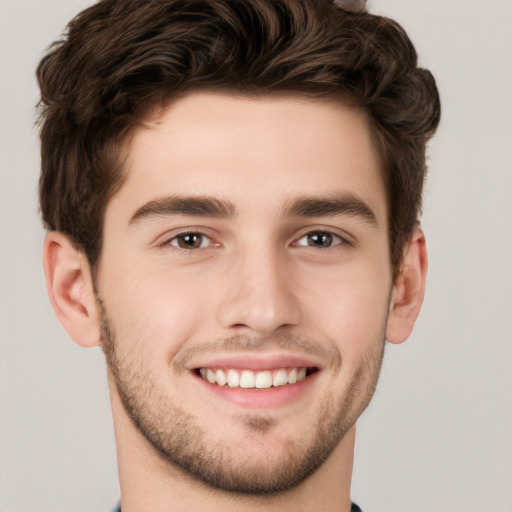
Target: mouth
x=255, y=379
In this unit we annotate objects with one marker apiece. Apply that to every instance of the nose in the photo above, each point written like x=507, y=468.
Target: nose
x=258, y=295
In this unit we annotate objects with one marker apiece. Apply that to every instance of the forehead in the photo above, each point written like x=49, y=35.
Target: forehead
x=243, y=149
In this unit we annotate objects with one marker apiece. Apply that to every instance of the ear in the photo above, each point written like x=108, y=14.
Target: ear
x=70, y=289
x=408, y=290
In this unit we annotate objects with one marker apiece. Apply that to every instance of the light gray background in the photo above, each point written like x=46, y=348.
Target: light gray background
x=438, y=435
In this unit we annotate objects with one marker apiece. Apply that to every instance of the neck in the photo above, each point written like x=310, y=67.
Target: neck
x=150, y=483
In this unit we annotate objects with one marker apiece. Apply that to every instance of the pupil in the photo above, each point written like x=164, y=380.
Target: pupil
x=320, y=240
x=190, y=241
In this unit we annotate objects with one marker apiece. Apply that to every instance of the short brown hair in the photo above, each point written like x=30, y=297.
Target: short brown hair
x=119, y=57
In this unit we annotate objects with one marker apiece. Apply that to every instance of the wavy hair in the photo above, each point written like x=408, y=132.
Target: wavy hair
x=118, y=58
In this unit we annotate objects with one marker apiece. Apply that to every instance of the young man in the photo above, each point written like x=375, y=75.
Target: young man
x=232, y=191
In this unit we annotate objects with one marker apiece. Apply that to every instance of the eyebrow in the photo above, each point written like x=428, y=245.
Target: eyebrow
x=204, y=206
x=347, y=204
x=196, y=206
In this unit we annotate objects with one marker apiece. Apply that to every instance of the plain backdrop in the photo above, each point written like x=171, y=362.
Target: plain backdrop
x=438, y=434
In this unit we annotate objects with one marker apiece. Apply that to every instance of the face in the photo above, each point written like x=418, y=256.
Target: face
x=244, y=285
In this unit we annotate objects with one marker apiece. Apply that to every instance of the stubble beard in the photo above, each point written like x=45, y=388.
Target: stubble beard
x=179, y=440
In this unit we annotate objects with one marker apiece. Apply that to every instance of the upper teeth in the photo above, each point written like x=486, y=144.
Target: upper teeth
x=250, y=379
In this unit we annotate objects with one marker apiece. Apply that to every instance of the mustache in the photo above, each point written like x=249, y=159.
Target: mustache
x=281, y=343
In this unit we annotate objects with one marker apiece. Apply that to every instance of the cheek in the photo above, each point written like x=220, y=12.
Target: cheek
x=351, y=310
x=156, y=309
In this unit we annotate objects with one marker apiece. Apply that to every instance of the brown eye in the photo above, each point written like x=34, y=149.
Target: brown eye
x=320, y=240
x=190, y=241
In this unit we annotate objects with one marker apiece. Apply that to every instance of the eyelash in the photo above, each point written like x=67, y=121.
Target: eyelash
x=174, y=241
x=333, y=239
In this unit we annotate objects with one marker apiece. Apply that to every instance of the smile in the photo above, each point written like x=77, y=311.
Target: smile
x=250, y=379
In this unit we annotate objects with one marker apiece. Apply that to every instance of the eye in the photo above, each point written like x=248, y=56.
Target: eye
x=190, y=241
x=320, y=240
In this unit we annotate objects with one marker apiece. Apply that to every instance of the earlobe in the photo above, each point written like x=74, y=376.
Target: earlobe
x=70, y=289
x=408, y=290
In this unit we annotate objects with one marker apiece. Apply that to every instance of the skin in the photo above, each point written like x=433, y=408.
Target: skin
x=256, y=287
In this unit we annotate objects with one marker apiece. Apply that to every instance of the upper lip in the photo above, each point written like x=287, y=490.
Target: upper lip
x=260, y=361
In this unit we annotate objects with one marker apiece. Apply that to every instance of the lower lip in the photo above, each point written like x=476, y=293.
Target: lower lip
x=261, y=398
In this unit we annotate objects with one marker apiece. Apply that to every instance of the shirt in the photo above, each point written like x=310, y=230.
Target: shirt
x=354, y=508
